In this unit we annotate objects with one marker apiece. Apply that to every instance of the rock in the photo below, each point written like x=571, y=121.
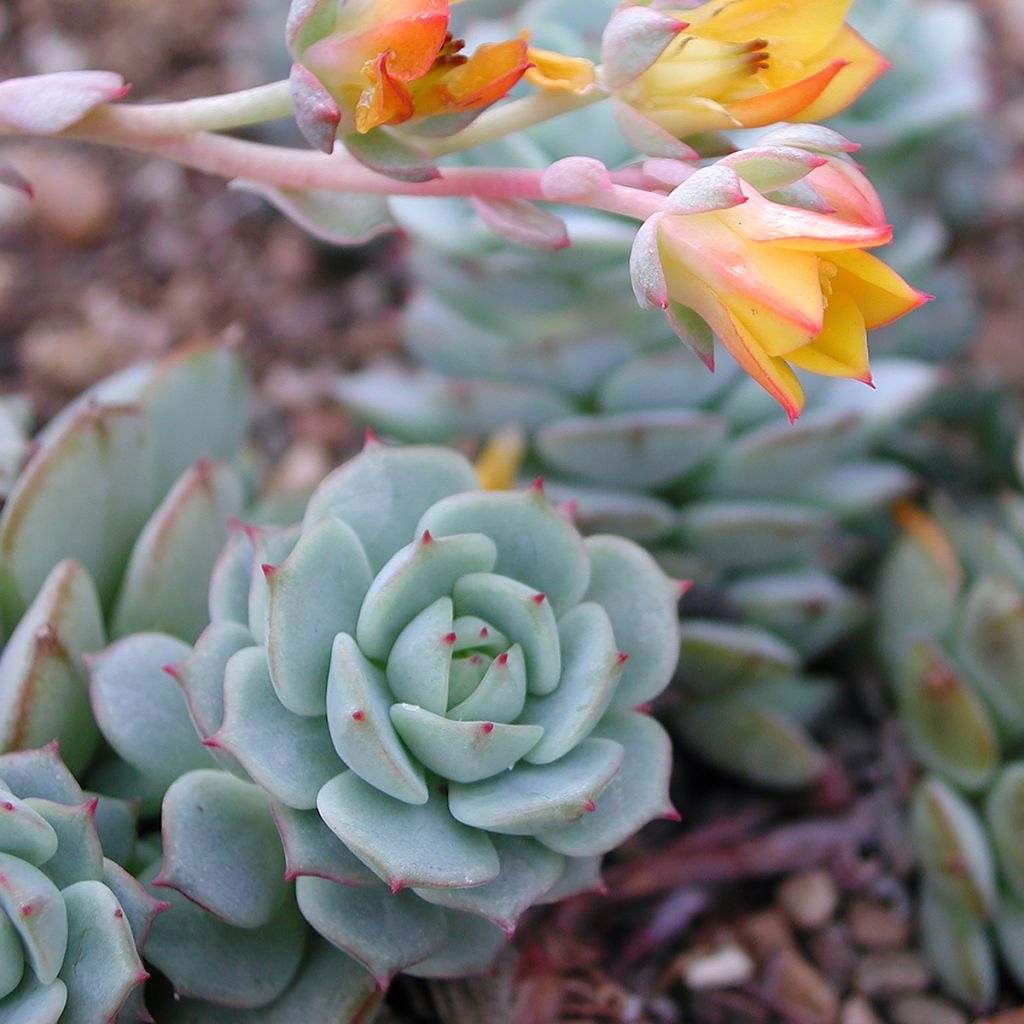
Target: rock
x=69, y=357
x=857, y=1010
x=800, y=989
x=891, y=973
x=722, y=967
x=764, y=933
x=874, y=925
x=809, y=898
x=833, y=953
x=918, y=1009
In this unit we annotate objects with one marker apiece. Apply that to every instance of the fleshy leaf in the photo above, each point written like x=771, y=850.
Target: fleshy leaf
x=521, y=223
x=406, y=844
x=315, y=594
x=384, y=931
x=633, y=40
x=36, y=909
x=221, y=848
x=501, y=693
x=393, y=157
x=311, y=848
x=47, y=104
x=472, y=947
x=420, y=659
x=537, y=798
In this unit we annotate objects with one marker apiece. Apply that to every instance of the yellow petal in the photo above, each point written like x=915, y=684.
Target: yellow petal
x=795, y=30
x=557, y=72
x=499, y=461
x=841, y=350
x=865, y=65
x=880, y=293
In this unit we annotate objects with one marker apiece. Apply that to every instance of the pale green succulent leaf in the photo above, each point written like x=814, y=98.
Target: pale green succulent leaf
x=197, y=402
x=536, y=545
x=289, y=755
x=126, y=782
x=947, y=725
x=79, y=856
x=12, y=959
x=229, y=581
x=631, y=450
x=386, y=932
x=315, y=594
x=523, y=615
x=500, y=695
x=591, y=671
x=806, y=608
x=462, y=751
x=116, y=824
x=414, y=577
x=210, y=959
x=803, y=699
x=960, y=950
x=420, y=659
x=758, y=744
x=538, y=798
x=101, y=966
x=383, y=492
x=472, y=947
x=1009, y=922
x=311, y=848
x=44, y=695
x=989, y=643
x=528, y=872
x=358, y=716
x=1004, y=813
x=96, y=462
x=221, y=848
x=140, y=909
x=165, y=584
x=746, y=535
x=854, y=490
x=986, y=549
x=329, y=988
x=580, y=875
x=44, y=931
x=717, y=658
x=473, y=634
x=141, y=711
x=201, y=678
x=40, y=772
x=916, y=595
x=637, y=795
x=24, y=833
x=953, y=848
x=673, y=379
x=641, y=604
x=271, y=546
x=767, y=460
x=406, y=844
x=465, y=677
x=34, y=1003
x=639, y=517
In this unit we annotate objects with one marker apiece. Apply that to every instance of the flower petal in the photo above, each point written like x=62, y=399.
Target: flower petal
x=841, y=350
x=880, y=293
x=788, y=102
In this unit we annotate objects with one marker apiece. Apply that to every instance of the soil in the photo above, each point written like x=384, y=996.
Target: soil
x=755, y=908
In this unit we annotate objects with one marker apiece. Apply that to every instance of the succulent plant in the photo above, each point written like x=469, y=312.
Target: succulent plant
x=429, y=690
x=70, y=917
x=99, y=536
x=951, y=633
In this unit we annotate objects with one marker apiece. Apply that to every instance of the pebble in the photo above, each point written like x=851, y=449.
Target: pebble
x=809, y=898
x=857, y=1010
x=891, y=973
x=873, y=925
x=765, y=933
x=801, y=989
x=832, y=952
x=69, y=357
x=918, y=1009
x=723, y=967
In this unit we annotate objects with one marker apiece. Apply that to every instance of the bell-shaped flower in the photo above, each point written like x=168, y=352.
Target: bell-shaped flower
x=736, y=64
x=781, y=286
x=365, y=63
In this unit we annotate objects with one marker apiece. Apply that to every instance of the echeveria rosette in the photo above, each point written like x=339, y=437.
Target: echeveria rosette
x=436, y=688
x=767, y=249
x=371, y=63
x=731, y=64
x=70, y=918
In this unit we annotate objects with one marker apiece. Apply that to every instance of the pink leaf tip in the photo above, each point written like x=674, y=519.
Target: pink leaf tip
x=484, y=633
x=396, y=886
x=503, y=658
x=590, y=807
x=487, y=728
x=538, y=485
x=539, y=599
x=621, y=658
x=426, y=538
x=268, y=570
x=174, y=671
x=370, y=437
x=359, y=716
x=450, y=638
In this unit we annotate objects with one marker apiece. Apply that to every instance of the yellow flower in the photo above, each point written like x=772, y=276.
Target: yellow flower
x=749, y=63
x=786, y=287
